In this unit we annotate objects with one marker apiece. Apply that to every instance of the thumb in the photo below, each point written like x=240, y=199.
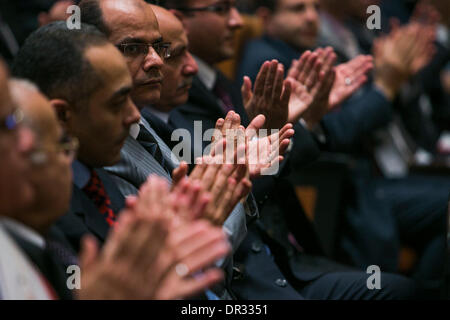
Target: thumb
x=179, y=173
x=257, y=123
x=89, y=251
x=246, y=90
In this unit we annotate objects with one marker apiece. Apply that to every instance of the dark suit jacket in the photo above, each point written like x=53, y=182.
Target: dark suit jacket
x=254, y=267
x=344, y=128
x=48, y=264
x=83, y=216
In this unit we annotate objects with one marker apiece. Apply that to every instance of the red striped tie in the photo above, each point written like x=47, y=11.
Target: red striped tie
x=95, y=190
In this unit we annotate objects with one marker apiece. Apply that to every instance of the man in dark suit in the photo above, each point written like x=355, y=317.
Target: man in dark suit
x=93, y=212
x=388, y=209
x=254, y=270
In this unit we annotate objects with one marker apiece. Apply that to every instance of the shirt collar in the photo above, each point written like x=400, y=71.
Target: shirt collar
x=164, y=116
x=206, y=73
x=24, y=232
x=81, y=174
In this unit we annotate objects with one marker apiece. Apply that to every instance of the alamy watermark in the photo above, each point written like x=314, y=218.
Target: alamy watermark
x=374, y=280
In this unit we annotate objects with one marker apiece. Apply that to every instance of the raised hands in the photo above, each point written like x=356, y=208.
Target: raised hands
x=400, y=55
x=350, y=77
x=151, y=254
x=312, y=77
x=270, y=96
x=263, y=149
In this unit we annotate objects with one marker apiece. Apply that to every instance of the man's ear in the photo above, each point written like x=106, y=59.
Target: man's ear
x=62, y=109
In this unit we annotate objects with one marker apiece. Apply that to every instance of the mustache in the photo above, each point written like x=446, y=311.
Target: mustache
x=185, y=83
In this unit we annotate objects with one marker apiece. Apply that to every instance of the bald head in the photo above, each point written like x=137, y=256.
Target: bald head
x=170, y=26
x=130, y=24
x=36, y=107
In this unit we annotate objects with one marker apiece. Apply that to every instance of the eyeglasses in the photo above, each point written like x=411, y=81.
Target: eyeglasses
x=222, y=8
x=135, y=50
x=67, y=145
x=13, y=120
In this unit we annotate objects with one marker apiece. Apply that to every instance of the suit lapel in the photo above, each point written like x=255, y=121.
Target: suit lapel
x=117, y=199
x=82, y=206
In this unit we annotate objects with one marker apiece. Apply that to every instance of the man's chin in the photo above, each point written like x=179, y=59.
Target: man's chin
x=149, y=98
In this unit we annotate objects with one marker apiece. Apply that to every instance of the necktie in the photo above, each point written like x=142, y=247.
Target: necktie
x=222, y=94
x=95, y=190
x=148, y=141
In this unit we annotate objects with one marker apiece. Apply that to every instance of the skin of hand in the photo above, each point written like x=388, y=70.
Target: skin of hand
x=400, y=55
x=262, y=151
x=197, y=245
x=312, y=76
x=270, y=96
x=356, y=71
x=125, y=268
x=191, y=241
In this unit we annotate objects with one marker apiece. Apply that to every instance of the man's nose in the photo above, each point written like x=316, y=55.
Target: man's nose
x=26, y=140
x=133, y=115
x=235, y=20
x=191, y=67
x=152, y=60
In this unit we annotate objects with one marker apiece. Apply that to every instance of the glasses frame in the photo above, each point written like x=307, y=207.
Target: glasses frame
x=68, y=145
x=165, y=45
x=12, y=120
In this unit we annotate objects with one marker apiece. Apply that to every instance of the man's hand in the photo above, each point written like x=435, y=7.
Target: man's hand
x=270, y=96
x=314, y=70
x=400, y=55
x=350, y=77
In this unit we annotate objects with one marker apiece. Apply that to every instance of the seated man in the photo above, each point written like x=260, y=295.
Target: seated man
x=254, y=267
x=144, y=224
x=16, y=143
x=147, y=150
x=393, y=211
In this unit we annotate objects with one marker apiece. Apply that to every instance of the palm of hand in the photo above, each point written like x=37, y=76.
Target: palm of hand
x=300, y=100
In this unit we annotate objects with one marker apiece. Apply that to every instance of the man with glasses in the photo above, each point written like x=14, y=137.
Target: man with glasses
x=174, y=249
x=311, y=275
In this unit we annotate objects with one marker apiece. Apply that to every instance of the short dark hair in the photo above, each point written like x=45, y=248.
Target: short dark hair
x=53, y=57
x=91, y=13
x=173, y=4
x=269, y=4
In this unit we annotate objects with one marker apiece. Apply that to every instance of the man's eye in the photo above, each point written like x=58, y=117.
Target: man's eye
x=132, y=49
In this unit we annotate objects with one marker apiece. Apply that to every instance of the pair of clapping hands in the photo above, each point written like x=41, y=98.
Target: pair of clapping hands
x=313, y=86
x=168, y=238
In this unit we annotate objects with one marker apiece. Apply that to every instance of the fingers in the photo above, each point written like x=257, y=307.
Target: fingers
x=256, y=124
x=300, y=66
x=246, y=90
x=269, y=84
x=278, y=83
x=261, y=79
x=309, y=65
x=286, y=95
x=89, y=251
x=179, y=173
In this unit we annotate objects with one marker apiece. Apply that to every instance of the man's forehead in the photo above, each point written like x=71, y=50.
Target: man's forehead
x=130, y=19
